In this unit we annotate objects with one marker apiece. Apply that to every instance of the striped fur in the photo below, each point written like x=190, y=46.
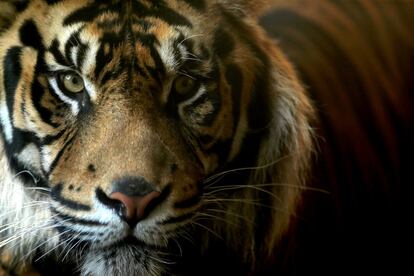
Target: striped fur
x=230, y=158
x=233, y=149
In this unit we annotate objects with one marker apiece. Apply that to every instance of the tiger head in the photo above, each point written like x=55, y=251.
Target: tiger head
x=128, y=123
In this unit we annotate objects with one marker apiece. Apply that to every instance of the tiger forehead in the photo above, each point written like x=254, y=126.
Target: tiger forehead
x=133, y=35
x=134, y=18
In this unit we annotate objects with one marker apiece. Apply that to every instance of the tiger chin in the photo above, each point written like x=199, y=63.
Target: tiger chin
x=130, y=129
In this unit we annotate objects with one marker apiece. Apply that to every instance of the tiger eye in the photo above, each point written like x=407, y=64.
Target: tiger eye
x=72, y=82
x=184, y=85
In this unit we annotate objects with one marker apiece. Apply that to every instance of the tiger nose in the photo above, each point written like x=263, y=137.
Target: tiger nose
x=135, y=196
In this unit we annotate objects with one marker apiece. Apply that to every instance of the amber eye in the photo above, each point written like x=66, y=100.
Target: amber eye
x=72, y=82
x=184, y=85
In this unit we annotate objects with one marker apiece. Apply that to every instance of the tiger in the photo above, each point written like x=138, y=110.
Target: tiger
x=189, y=137
x=129, y=126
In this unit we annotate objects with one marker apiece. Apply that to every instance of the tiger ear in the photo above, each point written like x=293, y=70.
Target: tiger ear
x=8, y=11
x=250, y=7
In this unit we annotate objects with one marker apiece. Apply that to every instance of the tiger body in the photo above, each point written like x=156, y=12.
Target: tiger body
x=192, y=100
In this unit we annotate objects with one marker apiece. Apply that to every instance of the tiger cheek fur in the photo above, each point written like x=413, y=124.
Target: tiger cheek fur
x=116, y=115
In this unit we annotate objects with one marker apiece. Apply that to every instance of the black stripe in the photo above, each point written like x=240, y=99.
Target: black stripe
x=158, y=200
x=199, y=5
x=148, y=40
x=50, y=139
x=72, y=42
x=59, y=155
x=54, y=50
x=223, y=43
x=260, y=108
x=86, y=14
x=52, y=2
x=20, y=140
x=102, y=59
x=74, y=220
x=234, y=78
x=37, y=94
x=82, y=51
x=158, y=71
x=103, y=198
x=84, y=236
x=56, y=195
x=159, y=10
x=11, y=75
x=144, y=24
x=21, y=5
x=188, y=202
x=29, y=35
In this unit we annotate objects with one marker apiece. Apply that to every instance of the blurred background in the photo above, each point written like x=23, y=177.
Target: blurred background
x=356, y=59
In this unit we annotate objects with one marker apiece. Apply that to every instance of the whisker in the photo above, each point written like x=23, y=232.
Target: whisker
x=255, y=186
x=51, y=250
x=187, y=38
x=38, y=189
x=72, y=247
x=161, y=261
x=165, y=239
x=79, y=252
x=185, y=74
x=250, y=186
x=192, y=59
x=244, y=201
x=186, y=235
x=179, y=247
x=244, y=169
x=211, y=185
x=35, y=180
x=231, y=213
x=199, y=216
x=41, y=244
x=12, y=225
x=24, y=230
x=207, y=229
x=20, y=234
x=27, y=205
x=194, y=56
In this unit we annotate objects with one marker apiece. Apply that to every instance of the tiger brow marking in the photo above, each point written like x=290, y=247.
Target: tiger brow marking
x=160, y=10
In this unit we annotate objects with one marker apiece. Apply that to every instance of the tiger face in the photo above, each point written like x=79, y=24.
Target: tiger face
x=118, y=111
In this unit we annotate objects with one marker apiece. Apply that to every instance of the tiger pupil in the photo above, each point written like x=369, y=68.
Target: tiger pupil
x=73, y=83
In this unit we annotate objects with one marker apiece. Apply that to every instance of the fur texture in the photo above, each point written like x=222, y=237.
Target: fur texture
x=243, y=138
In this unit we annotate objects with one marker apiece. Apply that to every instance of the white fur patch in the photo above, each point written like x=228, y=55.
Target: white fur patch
x=30, y=155
x=6, y=122
x=123, y=261
x=201, y=91
x=25, y=222
x=165, y=51
x=46, y=157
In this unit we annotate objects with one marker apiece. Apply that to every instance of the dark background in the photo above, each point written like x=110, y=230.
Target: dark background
x=365, y=136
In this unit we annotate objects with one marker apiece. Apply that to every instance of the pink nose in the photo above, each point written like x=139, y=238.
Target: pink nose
x=134, y=207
